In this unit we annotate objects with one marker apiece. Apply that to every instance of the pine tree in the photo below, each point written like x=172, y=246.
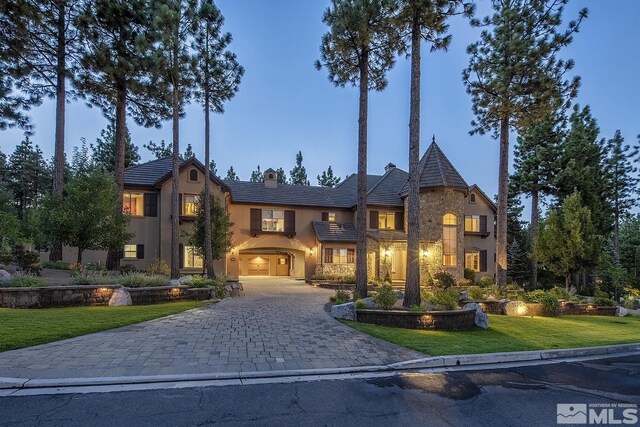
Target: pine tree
x=327, y=179
x=421, y=20
x=630, y=247
x=298, y=175
x=536, y=157
x=116, y=73
x=188, y=153
x=515, y=80
x=29, y=176
x=256, y=175
x=159, y=150
x=81, y=159
x=518, y=262
x=218, y=76
x=231, y=175
x=358, y=50
x=104, y=152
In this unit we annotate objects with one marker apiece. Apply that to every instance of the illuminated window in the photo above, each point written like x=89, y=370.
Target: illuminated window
x=131, y=251
x=339, y=256
x=190, y=204
x=191, y=258
x=193, y=175
x=449, y=240
x=472, y=223
x=472, y=261
x=133, y=204
x=272, y=220
x=332, y=217
x=387, y=220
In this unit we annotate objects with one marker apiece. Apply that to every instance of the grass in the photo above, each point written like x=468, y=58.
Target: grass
x=27, y=327
x=514, y=334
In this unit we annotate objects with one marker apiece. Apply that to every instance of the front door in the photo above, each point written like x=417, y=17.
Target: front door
x=282, y=265
x=398, y=265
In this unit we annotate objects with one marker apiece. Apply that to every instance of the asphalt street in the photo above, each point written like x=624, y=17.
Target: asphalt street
x=522, y=396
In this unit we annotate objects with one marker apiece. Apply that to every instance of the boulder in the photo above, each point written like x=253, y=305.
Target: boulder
x=174, y=282
x=464, y=295
x=5, y=276
x=573, y=290
x=515, y=308
x=621, y=311
x=346, y=311
x=481, y=319
x=399, y=295
x=185, y=280
x=120, y=297
x=368, y=302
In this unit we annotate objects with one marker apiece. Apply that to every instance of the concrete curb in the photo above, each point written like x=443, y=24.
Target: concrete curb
x=410, y=365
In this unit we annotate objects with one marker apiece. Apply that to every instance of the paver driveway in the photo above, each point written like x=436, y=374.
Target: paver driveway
x=278, y=325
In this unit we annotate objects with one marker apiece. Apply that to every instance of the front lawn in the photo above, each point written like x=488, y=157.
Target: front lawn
x=26, y=327
x=508, y=333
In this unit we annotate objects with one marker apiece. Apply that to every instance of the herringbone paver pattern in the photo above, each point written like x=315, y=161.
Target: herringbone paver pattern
x=278, y=325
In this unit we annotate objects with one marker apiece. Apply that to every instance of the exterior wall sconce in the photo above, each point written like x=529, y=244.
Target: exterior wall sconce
x=425, y=253
x=387, y=252
x=310, y=251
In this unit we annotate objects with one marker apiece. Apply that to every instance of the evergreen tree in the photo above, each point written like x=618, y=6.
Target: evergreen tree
x=29, y=176
x=188, y=153
x=327, y=179
x=116, y=73
x=515, y=80
x=569, y=242
x=213, y=167
x=518, y=262
x=622, y=182
x=159, y=150
x=175, y=21
x=536, y=157
x=630, y=247
x=298, y=175
x=358, y=50
x=256, y=175
x=231, y=175
x=218, y=76
x=281, y=176
x=104, y=152
x=421, y=20
x=81, y=160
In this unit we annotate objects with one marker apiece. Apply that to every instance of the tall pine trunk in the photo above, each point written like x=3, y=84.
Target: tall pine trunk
x=361, y=213
x=79, y=257
x=175, y=174
x=534, y=237
x=412, y=284
x=113, y=255
x=208, y=255
x=503, y=191
x=55, y=253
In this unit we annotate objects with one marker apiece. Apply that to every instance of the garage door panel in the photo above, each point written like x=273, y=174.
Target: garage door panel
x=258, y=266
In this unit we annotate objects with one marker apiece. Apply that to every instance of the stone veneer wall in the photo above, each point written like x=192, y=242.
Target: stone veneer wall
x=454, y=320
x=335, y=269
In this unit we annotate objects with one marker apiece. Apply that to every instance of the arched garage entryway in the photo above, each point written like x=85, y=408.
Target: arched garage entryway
x=274, y=256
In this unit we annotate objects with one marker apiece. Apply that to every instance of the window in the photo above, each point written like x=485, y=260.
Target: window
x=449, y=239
x=332, y=217
x=472, y=223
x=472, y=261
x=133, y=204
x=191, y=258
x=472, y=198
x=270, y=176
x=193, y=175
x=190, y=204
x=387, y=220
x=272, y=220
x=339, y=256
x=131, y=251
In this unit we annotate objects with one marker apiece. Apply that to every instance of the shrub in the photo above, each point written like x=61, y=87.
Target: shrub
x=340, y=297
x=550, y=303
x=446, y=298
x=444, y=279
x=138, y=280
x=127, y=269
x=534, y=296
x=55, y=265
x=475, y=293
x=417, y=309
x=85, y=279
x=95, y=266
x=158, y=267
x=560, y=293
x=28, y=261
x=25, y=281
x=349, y=279
x=485, y=281
x=360, y=304
x=470, y=274
x=75, y=268
x=217, y=283
x=427, y=280
x=601, y=298
x=387, y=278
x=386, y=297
x=5, y=257
x=493, y=291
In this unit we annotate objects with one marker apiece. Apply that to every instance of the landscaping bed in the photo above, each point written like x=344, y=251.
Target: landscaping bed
x=442, y=320
x=569, y=308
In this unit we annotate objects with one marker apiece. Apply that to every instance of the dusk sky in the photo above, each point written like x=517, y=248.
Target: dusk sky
x=285, y=104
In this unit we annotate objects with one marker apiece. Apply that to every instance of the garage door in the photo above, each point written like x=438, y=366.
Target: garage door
x=258, y=266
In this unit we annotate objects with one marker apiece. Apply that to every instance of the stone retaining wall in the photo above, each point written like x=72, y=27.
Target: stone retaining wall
x=69, y=296
x=566, y=308
x=455, y=320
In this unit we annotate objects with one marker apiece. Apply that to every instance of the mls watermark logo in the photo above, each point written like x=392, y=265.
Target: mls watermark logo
x=597, y=413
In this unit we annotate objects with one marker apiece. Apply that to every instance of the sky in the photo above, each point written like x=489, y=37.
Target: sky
x=285, y=105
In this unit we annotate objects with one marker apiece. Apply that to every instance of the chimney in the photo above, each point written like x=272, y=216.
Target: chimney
x=389, y=167
x=270, y=178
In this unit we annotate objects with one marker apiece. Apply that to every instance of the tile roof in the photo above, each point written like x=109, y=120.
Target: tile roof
x=386, y=191
x=436, y=171
x=334, y=232
x=153, y=173
x=285, y=194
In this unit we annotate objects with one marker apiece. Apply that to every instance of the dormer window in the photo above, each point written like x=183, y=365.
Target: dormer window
x=270, y=176
x=472, y=198
x=193, y=175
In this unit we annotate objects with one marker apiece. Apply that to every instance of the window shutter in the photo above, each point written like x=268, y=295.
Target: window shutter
x=180, y=208
x=181, y=255
x=325, y=216
x=483, y=223
x=373, y=220
x=328, y=255
x=399, y=221
x=139, y=251
x=151, y=204
x=483, y=260
x=351, y=256
x=256, y=221
x=290, y=222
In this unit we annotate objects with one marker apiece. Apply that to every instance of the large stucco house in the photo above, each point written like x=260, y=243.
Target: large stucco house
x=302, y=231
